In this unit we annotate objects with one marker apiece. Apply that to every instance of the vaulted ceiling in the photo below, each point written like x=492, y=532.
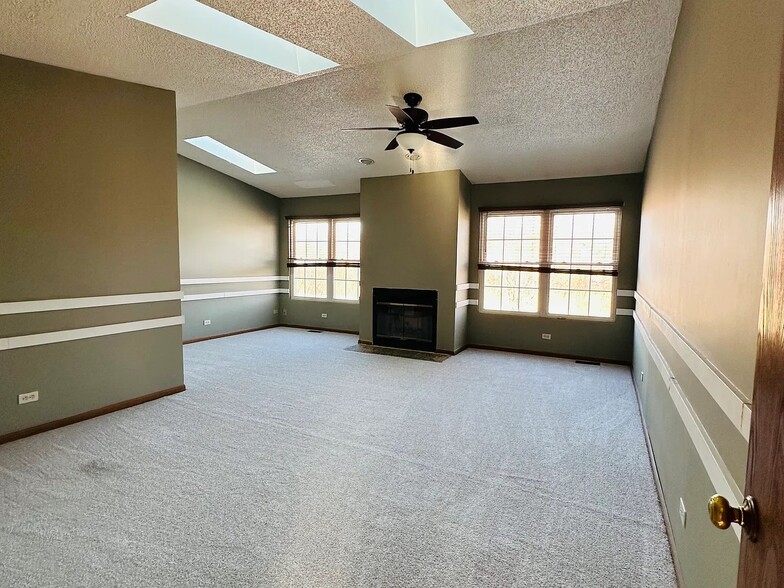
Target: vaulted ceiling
x=562, y=88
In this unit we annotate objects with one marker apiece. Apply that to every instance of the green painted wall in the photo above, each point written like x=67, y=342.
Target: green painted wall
x=88, y=193
x=228, y=229
x=410, y=240
x=586, y=338
x=343, y=316
x=701, y=250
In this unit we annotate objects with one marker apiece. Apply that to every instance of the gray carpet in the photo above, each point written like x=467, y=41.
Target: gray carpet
x=291, y=462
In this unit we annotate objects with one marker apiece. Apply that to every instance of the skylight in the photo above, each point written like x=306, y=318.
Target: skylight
x=200, y=22
x=420, y=22
x=233, y=156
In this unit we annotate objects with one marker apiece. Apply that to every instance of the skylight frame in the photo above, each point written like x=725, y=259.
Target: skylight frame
x=202, y=23
x=229, y=154
x=420, y=22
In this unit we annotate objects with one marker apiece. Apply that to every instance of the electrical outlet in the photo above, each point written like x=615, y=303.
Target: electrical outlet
x=546, y=336
x=323, y=315
x=28, y=397
x=682, y=512
x=274, y=311
x=207, y=322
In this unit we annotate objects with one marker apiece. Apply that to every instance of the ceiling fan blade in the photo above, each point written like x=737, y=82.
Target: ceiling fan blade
x=400, y=114
x=443, y=139
x=450, y=123
x=373, y=129
x=392, y=145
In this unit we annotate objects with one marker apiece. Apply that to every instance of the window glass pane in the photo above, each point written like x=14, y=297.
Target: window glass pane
x=513, y=227
x=532, y=227
x=602, y=251
x=562, y=251
x=604, y=225
x=310, y=288
x=601, y=283
x=512, y=251
x=511, y=279
x=559, y=302
x=562, y=226
x=529, y=300
x=341, y=231
x=559, y=281
x=530, y=252
x=509, y=298
x=581, y=251
x=495, y=227
x=352, y=273
x=583, y=226
x=601, y=304
x=321, y=273
x=578, y=303
x=353, y=250
x=339, y=289
x=494, y=251
x=580, y=282
x=492, y=298
x=339, y=273
x=310, y=272
x=529, y=280
x=341, y=250
x=354, y=230
x=352, y=290
x=321, y=288
x=492, y=278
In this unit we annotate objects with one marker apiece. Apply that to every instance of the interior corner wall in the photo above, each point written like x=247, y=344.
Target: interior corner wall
x=702, y=242
x=463, y=246
x=228, y=230
x=604, y=340
x=341, y=316
x=88, y=208
x=409, y=240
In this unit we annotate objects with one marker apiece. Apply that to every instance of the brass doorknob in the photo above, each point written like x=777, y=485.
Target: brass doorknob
x=723, y=515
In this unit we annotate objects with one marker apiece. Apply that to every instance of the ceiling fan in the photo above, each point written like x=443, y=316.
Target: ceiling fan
x=415, y=128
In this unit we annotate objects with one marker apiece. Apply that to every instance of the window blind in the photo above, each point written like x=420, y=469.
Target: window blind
x=323, y=242
x=579, y=240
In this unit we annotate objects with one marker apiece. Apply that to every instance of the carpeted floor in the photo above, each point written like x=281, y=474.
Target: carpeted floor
x=290, y=461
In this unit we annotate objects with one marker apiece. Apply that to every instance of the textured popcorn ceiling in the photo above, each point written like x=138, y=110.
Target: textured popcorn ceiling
x=561, y=87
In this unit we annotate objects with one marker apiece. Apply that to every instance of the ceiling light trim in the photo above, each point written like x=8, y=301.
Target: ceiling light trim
x=202, y=23
x=226, y=153
x=420, y=22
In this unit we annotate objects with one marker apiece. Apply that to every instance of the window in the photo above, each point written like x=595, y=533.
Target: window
x=559, y=262
x=324, y=258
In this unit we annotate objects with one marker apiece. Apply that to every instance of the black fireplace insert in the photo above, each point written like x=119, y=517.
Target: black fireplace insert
x=405, y=318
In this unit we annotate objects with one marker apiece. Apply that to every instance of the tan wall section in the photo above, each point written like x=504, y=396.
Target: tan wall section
x=88, y=174
x=409, y=240
x=342, y=316
x=228, y=229
x=708, y=179
x=88, y=207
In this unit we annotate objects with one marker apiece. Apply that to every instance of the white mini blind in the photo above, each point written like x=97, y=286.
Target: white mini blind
x=581, y=240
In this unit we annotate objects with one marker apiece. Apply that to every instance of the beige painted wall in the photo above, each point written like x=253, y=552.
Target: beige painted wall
x=88, y=207
x=343, y=316
x=701, y=251
x=228, y=229
x=409, y=240
x=708, y=179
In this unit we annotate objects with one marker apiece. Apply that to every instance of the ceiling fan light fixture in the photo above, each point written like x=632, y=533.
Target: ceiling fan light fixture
x=411, y=141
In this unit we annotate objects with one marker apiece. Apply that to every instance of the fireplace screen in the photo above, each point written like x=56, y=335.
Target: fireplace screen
x=405, y=318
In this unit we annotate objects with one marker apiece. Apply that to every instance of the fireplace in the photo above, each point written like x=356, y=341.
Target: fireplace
x=405, y=318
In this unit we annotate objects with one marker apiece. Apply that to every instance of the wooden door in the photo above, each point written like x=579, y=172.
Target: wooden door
x=762, y=562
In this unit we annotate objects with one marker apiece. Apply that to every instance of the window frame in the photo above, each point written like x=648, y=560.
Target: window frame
x=330, y=263
x=545, y=248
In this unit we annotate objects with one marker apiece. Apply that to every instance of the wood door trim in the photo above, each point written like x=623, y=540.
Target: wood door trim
x=762, y=563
